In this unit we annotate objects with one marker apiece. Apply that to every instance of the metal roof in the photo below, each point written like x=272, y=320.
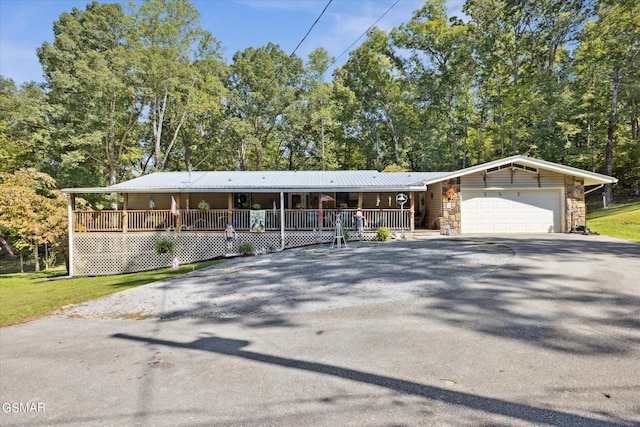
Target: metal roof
x=269, y=181
x=317, y=181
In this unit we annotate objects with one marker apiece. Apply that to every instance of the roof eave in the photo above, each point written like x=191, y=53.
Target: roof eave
x=590, y=178
x=372, y=189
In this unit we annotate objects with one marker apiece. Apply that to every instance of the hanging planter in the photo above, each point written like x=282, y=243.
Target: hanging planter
x=203, y=206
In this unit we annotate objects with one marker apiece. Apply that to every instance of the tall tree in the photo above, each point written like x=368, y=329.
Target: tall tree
x=308, y=128
x=90, y=70
x=443, y=44
x=170, y=42
x=612, y=43
x=263, y=83
x=24, y=126
x=372, y=74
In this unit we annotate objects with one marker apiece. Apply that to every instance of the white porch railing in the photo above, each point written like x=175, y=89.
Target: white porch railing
x=217, y=219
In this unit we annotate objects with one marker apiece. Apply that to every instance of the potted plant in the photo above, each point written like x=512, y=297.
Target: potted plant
x=203, y=206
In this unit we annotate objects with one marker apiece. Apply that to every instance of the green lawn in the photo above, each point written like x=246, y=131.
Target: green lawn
x=27, y=296
x=621, y=220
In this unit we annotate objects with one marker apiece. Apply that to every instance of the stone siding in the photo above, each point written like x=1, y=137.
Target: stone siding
x=576, y=209
x=451, y=220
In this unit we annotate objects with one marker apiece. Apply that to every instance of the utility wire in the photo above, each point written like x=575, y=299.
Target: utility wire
x=314, y=24
x=366, y=31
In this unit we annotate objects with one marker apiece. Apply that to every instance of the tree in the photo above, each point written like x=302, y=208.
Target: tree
x=444, y=45
x=24, y=126
x=171, y=42
x=263, y=84
x=612, y=43
x=307, y=132
x=90, y=72
x=371, y=73
x=33, y=211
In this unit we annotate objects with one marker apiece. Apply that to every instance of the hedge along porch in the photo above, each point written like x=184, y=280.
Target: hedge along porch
x=193, y=208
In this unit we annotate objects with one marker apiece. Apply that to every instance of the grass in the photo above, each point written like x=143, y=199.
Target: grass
x=28, y=296
x=621, y=221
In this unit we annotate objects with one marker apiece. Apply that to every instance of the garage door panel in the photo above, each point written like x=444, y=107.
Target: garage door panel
x=510, y=211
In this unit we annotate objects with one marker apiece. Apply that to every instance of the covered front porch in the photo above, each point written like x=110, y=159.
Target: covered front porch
x=211, y=212
x=217, y=219
x=271, y=210
x=119, y=241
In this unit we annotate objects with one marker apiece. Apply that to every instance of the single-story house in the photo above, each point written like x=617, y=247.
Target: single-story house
x=274, y=210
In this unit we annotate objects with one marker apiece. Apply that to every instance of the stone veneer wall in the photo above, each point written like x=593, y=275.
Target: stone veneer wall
x=450, y=220
x=575, y=204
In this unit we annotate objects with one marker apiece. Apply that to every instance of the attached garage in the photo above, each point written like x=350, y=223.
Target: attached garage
x=511, y=211
x=517, y=194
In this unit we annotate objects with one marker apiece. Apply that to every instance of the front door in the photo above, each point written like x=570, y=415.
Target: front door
x=298, y=200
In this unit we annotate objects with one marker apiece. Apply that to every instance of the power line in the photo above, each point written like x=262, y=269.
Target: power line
x=314, y=24
x=366, y=31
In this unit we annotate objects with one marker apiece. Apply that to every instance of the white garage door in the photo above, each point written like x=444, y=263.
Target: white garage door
x=536, y=211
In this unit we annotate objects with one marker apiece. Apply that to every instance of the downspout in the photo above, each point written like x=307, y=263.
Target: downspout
x=282, y=220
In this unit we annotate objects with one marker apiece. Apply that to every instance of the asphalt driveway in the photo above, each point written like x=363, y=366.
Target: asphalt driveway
x=517, y=330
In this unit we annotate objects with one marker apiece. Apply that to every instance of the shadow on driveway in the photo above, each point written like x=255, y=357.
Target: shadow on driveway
x=232, y=347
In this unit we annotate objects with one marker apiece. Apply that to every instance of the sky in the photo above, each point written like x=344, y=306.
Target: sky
x=237, y=24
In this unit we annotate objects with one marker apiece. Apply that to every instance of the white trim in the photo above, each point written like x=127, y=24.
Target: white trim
x=70, y=231
x=282, y=241
x=591, y=178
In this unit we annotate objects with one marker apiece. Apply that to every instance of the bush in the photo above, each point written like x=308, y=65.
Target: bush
x=383, y=234
x=164, y=246
x=245, y=248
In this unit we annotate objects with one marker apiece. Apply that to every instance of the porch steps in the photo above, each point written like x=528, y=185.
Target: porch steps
x=425, y=234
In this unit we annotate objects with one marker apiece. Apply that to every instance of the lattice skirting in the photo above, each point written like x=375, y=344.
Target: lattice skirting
x=96, y=254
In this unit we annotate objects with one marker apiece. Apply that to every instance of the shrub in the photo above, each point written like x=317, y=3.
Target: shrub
x=163, y=246
x=383, y=234
x=245, y=248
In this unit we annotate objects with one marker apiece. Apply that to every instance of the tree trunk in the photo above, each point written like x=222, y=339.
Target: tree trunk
x=35, y=255
x=396, y=142
x=452, y=129
x=611, y=130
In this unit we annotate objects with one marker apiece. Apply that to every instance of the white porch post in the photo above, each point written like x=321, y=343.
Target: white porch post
x=412, y=210
x=282, y=220
x=70, y=205
x=320, y=214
